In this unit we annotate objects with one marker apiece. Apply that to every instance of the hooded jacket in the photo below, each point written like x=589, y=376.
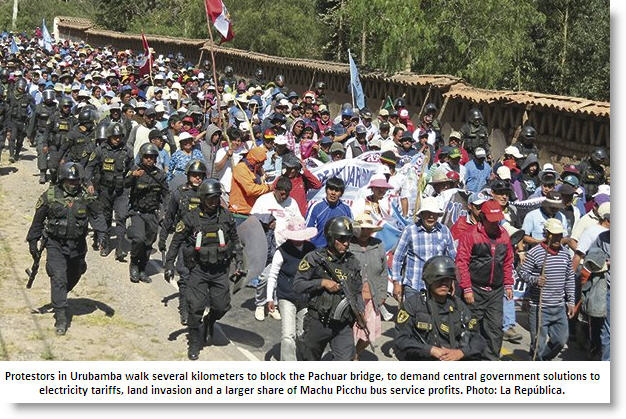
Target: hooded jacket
x=246, y=185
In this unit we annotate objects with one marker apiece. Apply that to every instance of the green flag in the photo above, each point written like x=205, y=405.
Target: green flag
x=388, y=104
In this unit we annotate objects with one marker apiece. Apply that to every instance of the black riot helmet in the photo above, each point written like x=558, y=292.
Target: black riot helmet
x=85, y=117
x=196, y=167
x=210, y=187
x=228, y=71
x=338, y=227
x=528, y=134
x=115, y=130
x=70, y=176
x=399, y=103
x=66, y=102
x=430, y=109
x=4, y=74
x=101, y=133
x=438, y=267
x=280, y=80
x=148, y=149
x=48, y=96
x=475, y=116
x=600, y=156
x=21, y=85
x=258, y=73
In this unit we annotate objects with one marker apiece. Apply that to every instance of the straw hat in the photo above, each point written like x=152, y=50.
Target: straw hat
x=430, y=204
x=364, y=220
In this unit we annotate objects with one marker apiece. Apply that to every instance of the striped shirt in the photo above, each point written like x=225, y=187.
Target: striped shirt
x=415, y=247
x=559, y=286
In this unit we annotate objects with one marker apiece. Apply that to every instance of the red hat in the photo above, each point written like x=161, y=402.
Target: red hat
x=188, y=119
x=492, y=211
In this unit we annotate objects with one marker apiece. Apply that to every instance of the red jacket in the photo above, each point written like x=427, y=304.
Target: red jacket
x=484, y=262
x=299, y=187
x=460, y=228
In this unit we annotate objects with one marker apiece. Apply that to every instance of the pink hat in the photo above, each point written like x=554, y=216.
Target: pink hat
x=296, y=230
x=379, y=183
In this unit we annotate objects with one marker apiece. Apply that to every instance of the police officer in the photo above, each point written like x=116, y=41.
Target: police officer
x=79, y=142
x=331, y=304
x=209, y=240
x=320, y=91
x=20, y=101
x=526, y=144
x=592, y=172
x=259, y=79
x=182, y=200
x=60, y=125
x=39, y=129
x=3, y=119
x=105, y=172
x=474, y=132
x=62, y=214
x=434, y=324
x=148, y=189
x=229, y=79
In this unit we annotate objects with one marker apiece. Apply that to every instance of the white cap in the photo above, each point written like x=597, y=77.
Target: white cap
x=173, y=95
x=504, y=173
x=184, y=136
x=548, y=167
x=283, y=102
x=513, y=151
x=480, y=152
x=176, y=85
x=603, y=190
x=159, y=108
x=280, y=139
x=430, y=204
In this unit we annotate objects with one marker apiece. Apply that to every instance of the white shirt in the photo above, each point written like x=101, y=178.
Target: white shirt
x=226, y=174
x=282, y=212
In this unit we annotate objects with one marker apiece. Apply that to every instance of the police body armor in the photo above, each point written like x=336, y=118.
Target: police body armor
x=442, y=325
x=209, y=243
x=145, y=196
x=188, y=200
x=60, y=127
x=43, y=115
x=591, y=177
x=67, y=215
x=79, y=144
x=19, y=107
x=475, y=137
x=113, y=167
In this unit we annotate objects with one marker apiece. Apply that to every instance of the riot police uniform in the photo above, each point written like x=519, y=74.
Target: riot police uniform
x=425, y=322
x=330, y=315
x=3, y=119
x=62, y=214
x=60, y=125
x=147, y=192
x=182, y=200
x=105, y=172
x=79, y=142
x=39, y=128
x=474, y=133
x=592, y=173
x=19, y=103
x=209, y=241
x=526, y=144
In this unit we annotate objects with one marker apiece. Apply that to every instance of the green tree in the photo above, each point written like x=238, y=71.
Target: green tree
x=32, y=12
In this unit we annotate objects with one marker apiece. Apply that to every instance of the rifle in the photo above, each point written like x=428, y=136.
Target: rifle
x=32, y=272
x=348, y=297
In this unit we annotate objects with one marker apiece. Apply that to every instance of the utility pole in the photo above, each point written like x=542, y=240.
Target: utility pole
x=14, y=18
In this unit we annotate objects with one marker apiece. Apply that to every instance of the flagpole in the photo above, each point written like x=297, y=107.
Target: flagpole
x=351, y=86
x=217, y=95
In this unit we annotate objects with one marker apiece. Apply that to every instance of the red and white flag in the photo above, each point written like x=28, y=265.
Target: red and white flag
x=217, y=13
x=145, y=65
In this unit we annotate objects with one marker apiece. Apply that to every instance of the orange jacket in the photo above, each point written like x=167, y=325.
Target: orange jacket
x=244, y=190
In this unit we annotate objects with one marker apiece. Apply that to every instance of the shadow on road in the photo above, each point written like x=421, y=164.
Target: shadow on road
x=244, y=337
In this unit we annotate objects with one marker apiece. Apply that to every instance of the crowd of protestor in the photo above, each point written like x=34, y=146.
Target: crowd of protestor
x=463, y=240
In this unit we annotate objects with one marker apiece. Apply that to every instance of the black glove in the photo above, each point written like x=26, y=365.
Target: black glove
x=162, y=240
x=33, y=249
x=168, y=272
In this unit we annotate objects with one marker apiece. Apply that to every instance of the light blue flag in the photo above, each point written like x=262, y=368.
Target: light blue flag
x=14, y=49
x=355, y=84
x=47, y=39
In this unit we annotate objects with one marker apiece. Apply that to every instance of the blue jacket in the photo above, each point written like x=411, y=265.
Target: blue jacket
x=319, y=213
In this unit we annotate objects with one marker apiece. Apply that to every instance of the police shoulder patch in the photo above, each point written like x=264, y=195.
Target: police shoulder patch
x=304, y=265
x=403, y=316
x=472, y=323
x=92, y=156
x=180, y=226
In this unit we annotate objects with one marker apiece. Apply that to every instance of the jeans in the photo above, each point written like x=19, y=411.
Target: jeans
x=260, y=292
x=605, y=331
x=554, y=331
x=291, y=327
x=508, y=314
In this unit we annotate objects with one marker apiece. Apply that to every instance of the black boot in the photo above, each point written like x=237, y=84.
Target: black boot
x=106, y=248
x=195, y=344
x=134, y=272
x=42, y=177
x=60, y=321
x=144, y=277
x=208, y=325
x=120, y=255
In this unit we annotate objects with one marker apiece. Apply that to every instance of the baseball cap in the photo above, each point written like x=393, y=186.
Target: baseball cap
x=554, y=226
x=603, y=189
x=513, y=151
x=567, y=189
x=504, y=173
x=389, y=157
x=347, y=112
x=383, y=112
x=604, y=211
x=478, y=152
x=337, y=147
x=455, y=152
x=455, y=134
x=326, y=140
x=492, y=211
x=477, y=198
x=404, y=114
